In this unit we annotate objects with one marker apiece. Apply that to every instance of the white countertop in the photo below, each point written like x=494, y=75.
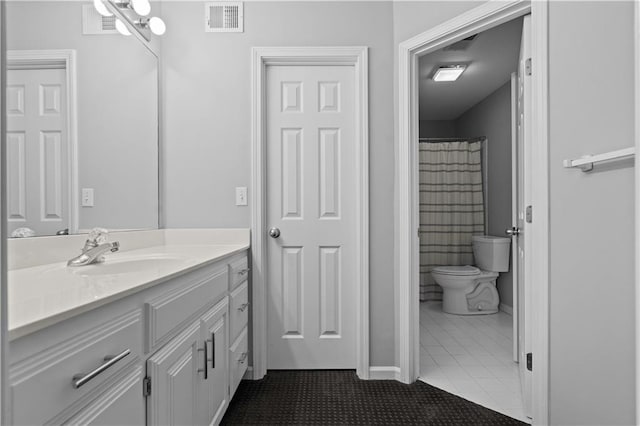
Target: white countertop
x=42, y=295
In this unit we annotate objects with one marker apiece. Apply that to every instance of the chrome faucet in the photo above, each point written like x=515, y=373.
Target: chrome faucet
x=94, y=248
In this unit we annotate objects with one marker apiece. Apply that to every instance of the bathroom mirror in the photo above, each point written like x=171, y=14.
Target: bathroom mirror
x=82, y=122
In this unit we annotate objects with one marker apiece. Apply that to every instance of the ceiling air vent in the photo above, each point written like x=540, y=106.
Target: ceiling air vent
x=93, y=23
x=224, y=17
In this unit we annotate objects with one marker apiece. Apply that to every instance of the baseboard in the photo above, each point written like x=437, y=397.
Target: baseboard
x=506, y=309
x=384, y=373
x=375, y=373
x=248, y=375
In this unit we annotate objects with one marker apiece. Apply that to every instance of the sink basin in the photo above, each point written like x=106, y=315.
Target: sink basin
x=129, y=265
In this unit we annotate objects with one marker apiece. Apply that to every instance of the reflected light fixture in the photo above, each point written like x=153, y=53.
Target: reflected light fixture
x=132, y=12
x=157, y=26
x=141, y=7
x=448, y=73
x=122, y=28
x=101, y=8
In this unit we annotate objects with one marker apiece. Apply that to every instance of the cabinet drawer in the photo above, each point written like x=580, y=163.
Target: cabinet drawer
x=239, y=270
x=169, y=311
x=121, y=404
x=43, y=384
x=239, y=309
x=238, y=361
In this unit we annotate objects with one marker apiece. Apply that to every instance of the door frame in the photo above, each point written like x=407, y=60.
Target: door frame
x=483, y=17
x=261, y=58
x=637, y=201
x=62, y=58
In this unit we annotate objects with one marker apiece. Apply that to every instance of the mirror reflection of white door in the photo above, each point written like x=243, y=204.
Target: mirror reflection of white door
x=523, y=186
x=37, y=150
x=311, y=193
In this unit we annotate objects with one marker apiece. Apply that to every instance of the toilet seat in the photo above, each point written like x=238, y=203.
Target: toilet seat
x=466, y=270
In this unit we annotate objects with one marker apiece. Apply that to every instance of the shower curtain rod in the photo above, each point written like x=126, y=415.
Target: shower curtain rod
x=474, y=139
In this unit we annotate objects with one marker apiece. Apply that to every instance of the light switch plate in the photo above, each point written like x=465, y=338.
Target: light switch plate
x=87, y=197
x=241, y=196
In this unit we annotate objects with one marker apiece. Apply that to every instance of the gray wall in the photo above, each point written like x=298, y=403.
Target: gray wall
x=208, y=129
x=117, y=111
x=592, y=220
x=437, y=128
x=491, y=117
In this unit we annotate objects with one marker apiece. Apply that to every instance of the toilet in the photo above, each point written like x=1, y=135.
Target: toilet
x=471, y=290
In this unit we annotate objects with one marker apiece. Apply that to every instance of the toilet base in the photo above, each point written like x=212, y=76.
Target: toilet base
x=483, y=299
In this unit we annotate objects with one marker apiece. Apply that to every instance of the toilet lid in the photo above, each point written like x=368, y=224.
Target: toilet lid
x=457, y=270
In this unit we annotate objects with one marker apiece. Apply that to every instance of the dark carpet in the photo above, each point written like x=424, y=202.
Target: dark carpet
x=339, y=398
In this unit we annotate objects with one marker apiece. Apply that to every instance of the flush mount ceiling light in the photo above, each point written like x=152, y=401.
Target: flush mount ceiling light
x=448, y=73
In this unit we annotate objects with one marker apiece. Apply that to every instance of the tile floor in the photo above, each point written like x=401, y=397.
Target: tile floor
x=471, y=356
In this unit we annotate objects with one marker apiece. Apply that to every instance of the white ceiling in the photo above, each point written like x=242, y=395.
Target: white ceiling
x=491, y=59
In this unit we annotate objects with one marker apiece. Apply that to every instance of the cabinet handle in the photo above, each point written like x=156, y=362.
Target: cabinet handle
x=243, y=307
x=243, y=357
x=81, y=378
x=213, y=350
x=243, y=271
x=206, y=358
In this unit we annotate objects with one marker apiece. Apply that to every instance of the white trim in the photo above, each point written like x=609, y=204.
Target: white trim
x=248, y=375
x=68, y=57
x=506, y=309
x=384, y=373
x=483, y=17
x=637, y=203
x=539, y=259
x=261, y=58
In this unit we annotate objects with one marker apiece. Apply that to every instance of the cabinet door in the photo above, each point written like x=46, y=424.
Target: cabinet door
x=121, y=404
x=215, y=389
x=175, y=372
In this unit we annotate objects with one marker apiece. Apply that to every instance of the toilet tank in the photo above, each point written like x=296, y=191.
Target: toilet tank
x=491, y=253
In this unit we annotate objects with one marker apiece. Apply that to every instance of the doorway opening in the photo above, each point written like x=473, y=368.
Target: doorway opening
x=536, y=266
x=466, y=165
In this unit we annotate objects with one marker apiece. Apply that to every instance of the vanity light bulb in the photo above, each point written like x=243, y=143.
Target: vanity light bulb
x=157, y=26
x=101, y=8
x=122, y=28
x=141, y=7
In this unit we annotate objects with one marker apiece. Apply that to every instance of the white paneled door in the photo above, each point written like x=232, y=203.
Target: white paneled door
x=37, y=150
x=311, y=217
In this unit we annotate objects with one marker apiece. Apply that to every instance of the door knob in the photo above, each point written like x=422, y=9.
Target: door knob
x=274, y=232
x=513, y=231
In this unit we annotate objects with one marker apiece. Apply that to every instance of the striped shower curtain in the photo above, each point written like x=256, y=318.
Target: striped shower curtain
x=451, y=207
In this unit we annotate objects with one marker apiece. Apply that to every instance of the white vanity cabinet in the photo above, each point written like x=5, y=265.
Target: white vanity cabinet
x=188, y=376
x=172, y=353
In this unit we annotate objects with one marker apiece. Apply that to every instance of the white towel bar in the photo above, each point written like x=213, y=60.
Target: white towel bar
x=586, y=163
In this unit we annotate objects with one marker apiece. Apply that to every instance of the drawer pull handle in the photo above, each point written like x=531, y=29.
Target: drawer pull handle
x=243, y=272
x=81, y=379
x=243, y=357
x=243, y=307
x=206, y=358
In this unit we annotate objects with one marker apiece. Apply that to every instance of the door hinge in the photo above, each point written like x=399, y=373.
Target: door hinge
x=529, y=214
x=527, y=66
x=146, y=386
x=530, y=361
